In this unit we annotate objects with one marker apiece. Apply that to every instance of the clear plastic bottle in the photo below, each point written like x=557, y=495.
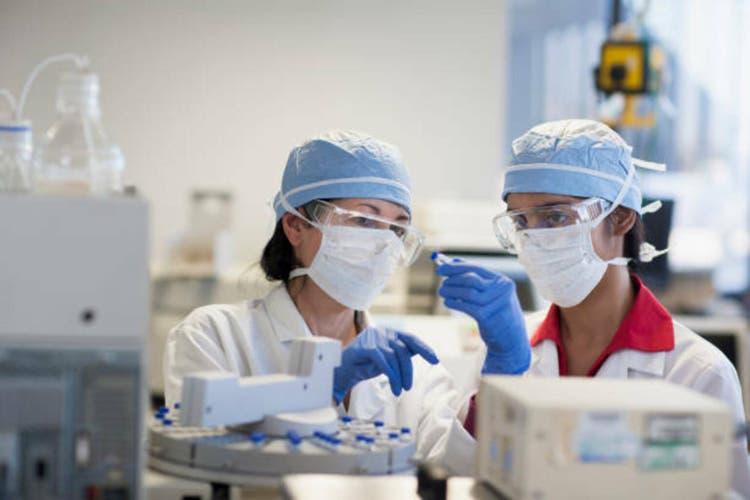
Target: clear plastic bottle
x=76, y=156
x=16, y=148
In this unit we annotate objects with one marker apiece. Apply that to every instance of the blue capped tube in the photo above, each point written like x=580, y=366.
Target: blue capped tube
x=439, y=258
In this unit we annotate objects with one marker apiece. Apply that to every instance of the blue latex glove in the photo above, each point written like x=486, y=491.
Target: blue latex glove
x=491, y=300
x=375, y=351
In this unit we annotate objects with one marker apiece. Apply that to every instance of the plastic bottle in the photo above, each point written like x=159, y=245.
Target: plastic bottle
x=16, y=148
x=76, y=156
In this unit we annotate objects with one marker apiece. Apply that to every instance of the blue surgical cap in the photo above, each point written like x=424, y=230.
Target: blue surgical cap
x=581, y=158
x=343, y=164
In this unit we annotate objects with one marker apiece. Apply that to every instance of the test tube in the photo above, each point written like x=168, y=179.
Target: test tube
x=439, y=258
x=257, y=438
x=405, y=434
x=294, y=440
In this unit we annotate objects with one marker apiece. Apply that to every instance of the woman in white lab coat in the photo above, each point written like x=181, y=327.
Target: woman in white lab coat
x=343, y=225
x=574, y=219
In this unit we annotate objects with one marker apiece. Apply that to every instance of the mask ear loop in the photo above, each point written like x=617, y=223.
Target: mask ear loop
x=617, y=261
x=620, y=196
x=300, y=271
x=646, y=252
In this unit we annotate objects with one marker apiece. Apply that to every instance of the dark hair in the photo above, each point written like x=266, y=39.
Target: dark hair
x=633, y=240
x=278, y=259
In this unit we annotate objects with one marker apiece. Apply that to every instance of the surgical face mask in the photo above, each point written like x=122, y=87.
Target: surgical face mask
x=562, y=262
x=554, y=243
x=353, y=264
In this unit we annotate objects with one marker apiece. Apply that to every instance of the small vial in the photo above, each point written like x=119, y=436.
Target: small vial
x=167, y=422
x=294, y=438
x=257, y=438
x=177, y=406
x=439, y=258
x=362, y=441
x=164, y=409
x=405, y=434
x=159, y=415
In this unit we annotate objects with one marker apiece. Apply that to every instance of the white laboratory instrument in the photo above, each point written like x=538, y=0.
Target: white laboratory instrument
x=249, y=432
x=587, y=438
x=73, y=324
x=299, y=400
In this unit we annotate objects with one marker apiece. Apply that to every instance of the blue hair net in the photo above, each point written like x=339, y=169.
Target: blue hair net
x=581, y=158
x=343, y=164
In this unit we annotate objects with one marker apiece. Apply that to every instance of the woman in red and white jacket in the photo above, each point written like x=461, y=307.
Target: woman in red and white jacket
x=574, y=219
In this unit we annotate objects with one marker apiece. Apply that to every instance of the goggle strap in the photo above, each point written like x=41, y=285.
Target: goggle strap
x=294, y=211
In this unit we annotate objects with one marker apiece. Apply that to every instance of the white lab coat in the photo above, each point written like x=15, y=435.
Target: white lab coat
x=253, y=337
x=694, y=362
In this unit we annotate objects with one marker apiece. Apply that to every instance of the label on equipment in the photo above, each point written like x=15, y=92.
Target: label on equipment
x=604, y=437
x=670, y=442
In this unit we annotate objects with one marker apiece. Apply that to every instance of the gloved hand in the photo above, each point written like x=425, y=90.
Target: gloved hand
x=375, y=351
x=491, y=300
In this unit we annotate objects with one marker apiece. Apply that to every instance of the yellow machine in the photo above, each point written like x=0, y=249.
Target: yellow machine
x=633, y=67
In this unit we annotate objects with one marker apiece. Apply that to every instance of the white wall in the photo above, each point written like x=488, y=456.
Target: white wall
x=215, y=93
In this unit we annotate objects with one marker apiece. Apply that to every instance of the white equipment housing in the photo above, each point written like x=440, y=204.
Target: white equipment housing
x=212, y=398
x=587, y=438
x=74, y=307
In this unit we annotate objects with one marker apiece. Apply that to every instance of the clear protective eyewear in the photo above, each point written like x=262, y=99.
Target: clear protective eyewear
x=326, y=213
x=509, y=225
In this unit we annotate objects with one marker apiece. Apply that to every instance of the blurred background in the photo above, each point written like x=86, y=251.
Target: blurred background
x=206, y=99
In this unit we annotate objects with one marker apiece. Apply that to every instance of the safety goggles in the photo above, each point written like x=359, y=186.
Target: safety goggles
x=326, y=213
x=510, y=225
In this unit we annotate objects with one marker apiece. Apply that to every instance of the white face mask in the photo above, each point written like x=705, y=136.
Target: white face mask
x=354, y=264
x=562, y=262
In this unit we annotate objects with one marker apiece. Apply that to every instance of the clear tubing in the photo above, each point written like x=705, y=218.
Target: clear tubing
x=79, y=60
x=12, y=104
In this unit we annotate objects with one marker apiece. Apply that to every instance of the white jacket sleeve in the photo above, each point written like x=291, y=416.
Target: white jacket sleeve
x=440, y=431
x=193, y=345
x=724, y=384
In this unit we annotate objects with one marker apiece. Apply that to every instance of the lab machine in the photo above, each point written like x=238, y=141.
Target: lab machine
x=235, y=432
x=571, y=438
x=580, y=438
x=631, y=65
x=73, y=323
